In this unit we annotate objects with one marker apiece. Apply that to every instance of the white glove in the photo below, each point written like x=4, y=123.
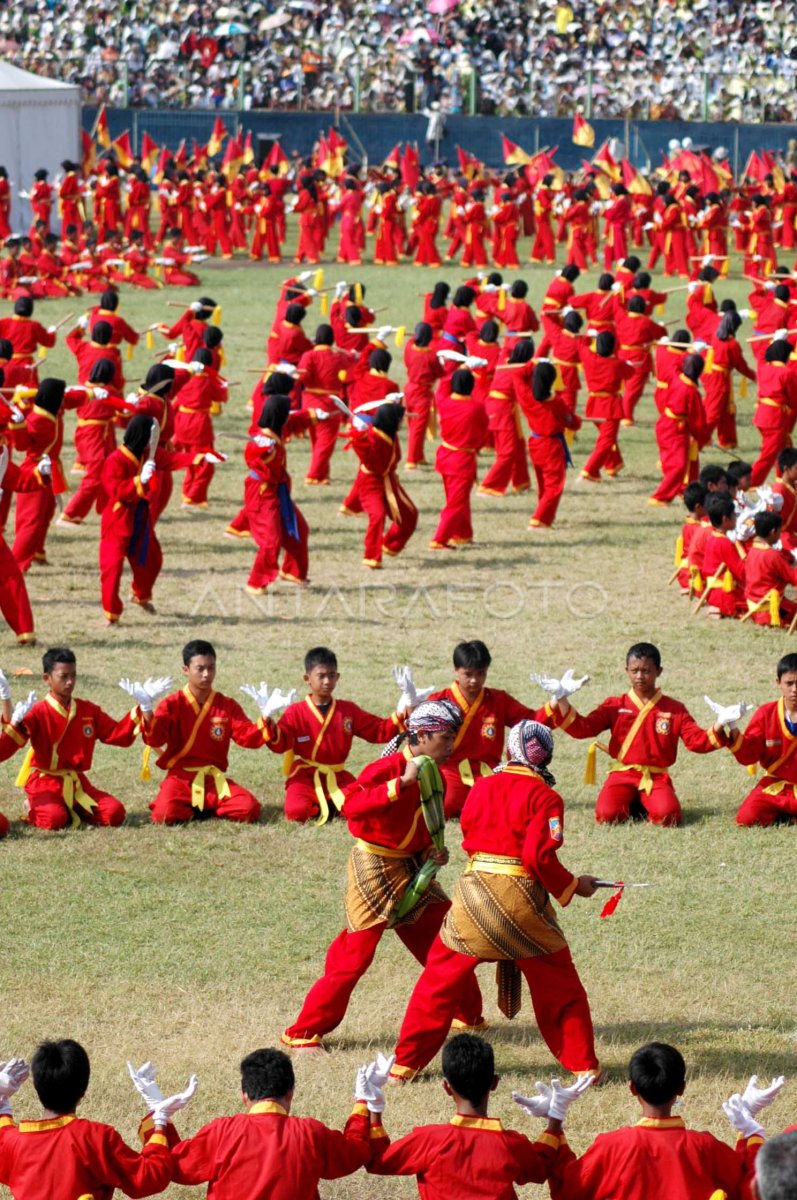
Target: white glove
x=194, y=368
x=17, y=415
x=693, y=286
x=100, y=393
x=728, y=714
x=196, y=306
x=384, y=332
x=535, y=1106
x=265, y=443
x=310, y=292
x=269, y=702
x=145, y=694
x=370, y=1082
x=755, y=1098
x=744, y=313
x=360, y=423
x=52, y=329
x=699, y=346
x=163, y=1112
x=617, y=286
x=557, y=689
x=769, y=286
x=45, y=466
x=410, y=694
x=341, y=289
x=133, y=399
x=215, y=456
x=321, y=414
x=22, y=709
x=394, y=398
x=303, y=276
x=12, y=1076
x=144, y=1083
x=5, y=690
x=563, y=1097
x=568, y=308
x=780, y=335
x=83, y=322
x=472, y=362
x=148, y=470
x=707, y=260
x=740, y=1117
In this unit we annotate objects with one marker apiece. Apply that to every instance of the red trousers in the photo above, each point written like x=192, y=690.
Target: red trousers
x=475, y=254
x=172, y=805
x=620, y=798
x=376, y=505
x=772, y=442
x=46, y=808
x=198, y=477
x=14, y=601
x=265, y=235
x=605, y=452
x=719, y=410
x=729, y=604
x=34, y=513
x=218, y=232
x=265, y=523
x=634, y=387
x=543, y=249
x=511, y=464
x=418, y=402
x=114, y=552
x=350, y=956
x=323, y=439
x=457, y=791
x=560, y=1003
x=674, y=458
x=454, y=524
x=162, y=496
x=301, y=801
x=760, y=809
x=548, y=459
x=427, y=254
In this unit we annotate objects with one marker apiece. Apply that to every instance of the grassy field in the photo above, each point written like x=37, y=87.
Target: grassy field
x=192, y=946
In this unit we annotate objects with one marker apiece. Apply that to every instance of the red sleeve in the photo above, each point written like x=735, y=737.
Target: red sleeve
x=194, y=1160
x=534, y=1158
x=137, y=1174
x=342, y=1153
x=12, y=738
x=408, y=1156
x=748, y=748
x=374, y=791
x=158, y=731
x=590, y=725
x=249, y=734
x=574, y=1178
x=372, y=728
x=112, y=732
x=544, y=837
x=697, y=739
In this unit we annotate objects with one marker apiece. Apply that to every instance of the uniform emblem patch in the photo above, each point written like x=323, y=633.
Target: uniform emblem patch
x=347, y=725
x=663, y=725
x=88, y=729
x=488, y=730
x=555, y=826
x=217, y=731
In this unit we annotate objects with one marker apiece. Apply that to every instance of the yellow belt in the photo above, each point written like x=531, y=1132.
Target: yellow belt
x=83, y=423
x=73, y=788
x=497, y=864
x=498, y=395
x=322, y=771
x=646, y=782
x=602, y=396
x=198, y=785
x=462, y=449
x=466, y=771
x=768, y=402
x=381, y=851
x=661, y=384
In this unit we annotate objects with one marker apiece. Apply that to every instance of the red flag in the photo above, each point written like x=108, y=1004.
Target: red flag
x=394, y=157
x=336, y=141
x=583, y=133
x=199, y=156
x=277, y=160
x=217, y=137
x=149, y=152
x=611, y=904
x=181, y=155
x=514, y=156
x=249, y=150
x=88, y=153
x=123, y=150
x=101, y=133
x=160, y=169
x=636, y=184
x=233, y=156
x=410, y=167
x=469, y=166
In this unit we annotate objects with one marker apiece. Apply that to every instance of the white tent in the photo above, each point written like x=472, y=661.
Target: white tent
x=39, y=127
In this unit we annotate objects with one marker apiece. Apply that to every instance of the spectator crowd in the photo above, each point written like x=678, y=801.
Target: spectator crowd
x=669, y=59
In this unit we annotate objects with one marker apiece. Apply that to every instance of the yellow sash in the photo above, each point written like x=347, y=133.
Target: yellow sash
x=198, y=784
x=321, y=771
x=73, y=788
x=466, y=771
x=618, y=764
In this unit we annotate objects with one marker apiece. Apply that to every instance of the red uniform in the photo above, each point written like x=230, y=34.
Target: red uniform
x=198, y=398
x=54, y=774
x=322, y=371
x=604, y=377
x=774, y=414
x=617, y=217
x=381, y=495
x=88, y=352
x=121, y=331
x=719, y=407
x=680, y=432
x=424, y=369
x=425, y=229
x=195, y=746
x=463, y=431
x=548, y=420
x=127, y=532
x=767, y=574
x=14, y=600
x=471, y=1156
x=479, y=744
x=25, y=335
x=636, y=333
x=190, y=329
x=267, y=1154
x=769, y=741
x=543, y=248
x=66, y=1157
x=42, y=433
x=508, y=391
x=94, y=442
x=656, y=1157
x=392, y=842
x=317, y=743
x=788, y=513
x=274, y=520
x=723, y=571
x=643, y=745
x=287, y=343
x=512, y=829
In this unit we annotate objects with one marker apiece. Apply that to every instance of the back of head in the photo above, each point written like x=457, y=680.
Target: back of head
x=320, y=656
x=279, y=383
x=636, y=304
x=440, y=294
x=719, y=506
x=727, y=305
x=642, y=280
x=354, y=315
x=274, y=413
x=203, y=356
x=495, y=278
x=462, y=382
x=522, y=351
x=692, y=367
x=159, y=379
x=137, y=434
x=632, y=264
x=713, y=474
x=709, y=275
x=787, y=459
x=294, y=314
x=682, y=336
x=694, y=494
x=573, y=322
x=60, y=1072
x=469, y=1067
x=728, y=325
x=519, y=290
x=606, y=282
x=570, y=272
x=766, y=523
x=212, y=337
x=473, y=655
x=267, y=1075
x=101, y=333
x=102, y=371
x=50, y=395
x=542, y=381
x=489, y=332
x=387, y=419
x=779, y=351
x=781, y=292
x=109, y=300
x=464, y=297
x=23, y=307
x=379, y=360
x=657, y=1072
x=197, y=648
x=605, y=343
x=776, y=1168
x=324, y=335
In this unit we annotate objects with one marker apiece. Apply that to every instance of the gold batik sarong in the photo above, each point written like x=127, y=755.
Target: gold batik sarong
x=500, y=914
x=377, y=881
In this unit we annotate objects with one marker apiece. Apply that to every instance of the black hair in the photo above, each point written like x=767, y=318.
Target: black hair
x=736, y=471
x=387, y=418
x=469, y=1067
x=779, y=351
x=781, y=292
x=204, y=356
x=279, y=383
x=440, y=294
x=495, y=278
x=464, y=297
x=636, y=304
x=542, y=381
x=605, y=282
x=423, y=334
x=102, y=371
x=719, y=505
x=324, y=335
x=57, y=654
x=474, y=655
x=522, y=351
x=60, y=1072
x=101, y=333
x=658, y=1072
x=462, y=382
x=156, y=379
x=712, y=473
x=274, y=413
x=644, y=650
x=23, y=306
x=776, y=1168
x=267, y=1075
x=50, y=395
x=692, y=367
x=632, y=263
x=319, y=656
x=138, y=432
x=727, y=305
x=489, y=331
x=212, y=336
x=6, y=349
x=605, y=343
x=109, y=300
x=570, y=272
x=642, y=280
x=295, y=314
x=380, y=359
x=766, y=523
x=197, y=649
x=353, y=314
x=694, y=494
x=787, y=458
x=352, y=292
x=709, y=275
x=519, y=290
x=682, y=335
x=787, y=664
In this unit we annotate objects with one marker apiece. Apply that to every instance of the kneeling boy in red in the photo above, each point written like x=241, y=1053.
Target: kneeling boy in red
x=689, y=571
x=646, y=727
x=266, y=1153
x=473, y=1155
x=659, y=1156
x=193, y=729
x=316, y=736
x=768, y=571
x=723, y=560
x=62, y=1156
x=770, y=741
x=63, y=732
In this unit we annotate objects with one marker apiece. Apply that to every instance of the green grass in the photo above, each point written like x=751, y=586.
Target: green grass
x=194, y=945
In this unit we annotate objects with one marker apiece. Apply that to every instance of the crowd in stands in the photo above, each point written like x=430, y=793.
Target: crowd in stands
x=669, y=59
